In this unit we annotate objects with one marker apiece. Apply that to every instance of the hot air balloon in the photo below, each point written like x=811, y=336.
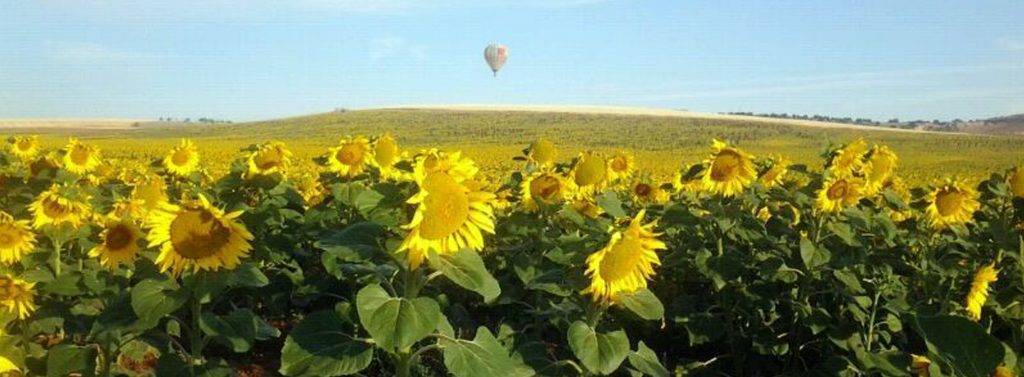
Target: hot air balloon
x=496, y=55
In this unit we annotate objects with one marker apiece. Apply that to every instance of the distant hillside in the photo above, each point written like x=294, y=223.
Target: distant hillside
x=1012, y=124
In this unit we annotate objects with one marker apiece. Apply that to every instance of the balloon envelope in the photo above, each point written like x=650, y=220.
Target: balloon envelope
x=496, y=55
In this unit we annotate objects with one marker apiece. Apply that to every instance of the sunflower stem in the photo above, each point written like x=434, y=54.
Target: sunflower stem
x=55, y=258
x=196, y=338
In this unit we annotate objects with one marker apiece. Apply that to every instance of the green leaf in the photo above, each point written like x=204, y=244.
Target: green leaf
x=236, y=331
x=644, y=303
x=599, y=353
x=467, y=269
x=318, y=346
x=396, y=323
x=646, y=361
x=152, y=300
x=961, y=344
x=851, y=281
x=484, y=356
x=66, y=359
x=610, y=203
x=813, y=256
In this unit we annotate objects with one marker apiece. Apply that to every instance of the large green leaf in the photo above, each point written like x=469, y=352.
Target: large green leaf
x=961, y=344
x=318, y=346
x=396, y=323
x=813, y=256
x=646, y=361
x=599, y=353
x=154, y=299
x=237, y=330
x=66, y=359
x=611, y=204
x=467, y=269
x=484, y=356
x=644, y=303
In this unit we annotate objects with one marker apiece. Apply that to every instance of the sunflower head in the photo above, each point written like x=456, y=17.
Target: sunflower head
x=776, y=171
x=269, y=159
x=879, y=169
x=183, y=159
x=25, y=147
x=644, y=191
x=544, y=188
x=542, y=152
x=80, y=158
x=385, y=155
x=848, y=159
x=309, y=187
x=590, y=171
x=729, y=170
x=16, y=239
x=626, y=263
x=951, y=203
x=454, y=164
x=150, y=192
x=197, y=236
x=350, y=157
x=59, y=205
x=978, y=293
x=1015, y=179
x=838, y=193
x=119, y=243
x=44, y=166
x=620, y=166
x=17, y=297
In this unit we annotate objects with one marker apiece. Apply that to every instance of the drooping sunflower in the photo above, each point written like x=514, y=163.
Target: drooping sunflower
x=543, y=152
x=56, y=206
x=25, y=147
x=350, y=157
x=44, y=166
x=16, y=239
x=1015, y=179
x=774, y=174
x=838, y=193
x=978, y=294
x=951, y=203
x=385, y=155
x=729, y=170
x=17, y=297
x=544, y=188
x=119, y=243
x=644, y=191
x=848, y=159
x=183, y=159
x=879, y=169
x=151, y=192
x=450, y=215
x=197, y=236
x=620, y=166
x=626, y=263
x=589, y=172
x=271, y=158
x=80, y=158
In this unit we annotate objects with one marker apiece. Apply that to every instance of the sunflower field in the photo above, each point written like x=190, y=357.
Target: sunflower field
x=377, y=261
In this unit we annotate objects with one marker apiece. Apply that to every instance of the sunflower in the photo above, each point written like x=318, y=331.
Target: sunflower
x=543, y=152
x=1003, y=371
x=544, y=188
x=978, y=294
x=350, y=156
x=80, y=158
x=620, y=166
x=919, y=365
x=25, y=147
x=683, y=181
x=17, y=296
x=879, y=169
x=848, y=159
x=150, y=192
x=269, y=159
x=586, y=205
x=309, y=187
x=183, y=159
x=385, y=155
x=7, y=366
x=589, y=172
x=16, y=239
x=626, y=263
x=454, y=164
x=45, y=165
x=773, y=175
x=1015, y=179
x=197, y=236
x=837, y=193
x=729, y=170
x=56, y=206
x=764, y=214
x=127, y=208
x=119, y=243
x=952, y=203
x=451, y=214
x=645, y=192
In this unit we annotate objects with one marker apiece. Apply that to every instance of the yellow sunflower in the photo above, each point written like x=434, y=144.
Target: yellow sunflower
x=7, y=366
x=80, y=158
x=879, y=169
x=150, y=192
x=544, y=188
x=128, y=208
x=589, y=172
x=620, y=166
x=17, y=297
x=309, y=187
x=848, y=159
x=450, y=215
x=978, y=294
x=16, y=239
x=197, y=236
x=729, y=170
x=119, y=243
x=586, y=205
x=454, y=164
x=1003, y=371
x=626, y=263
x=920, y=364
x=385, y=155
x=774, y=174
x=1015, y=179
x=183, y=159
x=543, y=152
x=837, y=193
x=350, y=157
x=646, y=192
x=952, y=203
x=25, y=147
x=56, y=207
x=683, y=182
x=44, y=166
x=269, y=159
x=764, y=214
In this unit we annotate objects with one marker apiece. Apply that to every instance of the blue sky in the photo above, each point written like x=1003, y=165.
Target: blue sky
x=266, y=58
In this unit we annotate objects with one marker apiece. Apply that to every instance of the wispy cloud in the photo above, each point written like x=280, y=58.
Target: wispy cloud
x=390, y=47
x=89, y=52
